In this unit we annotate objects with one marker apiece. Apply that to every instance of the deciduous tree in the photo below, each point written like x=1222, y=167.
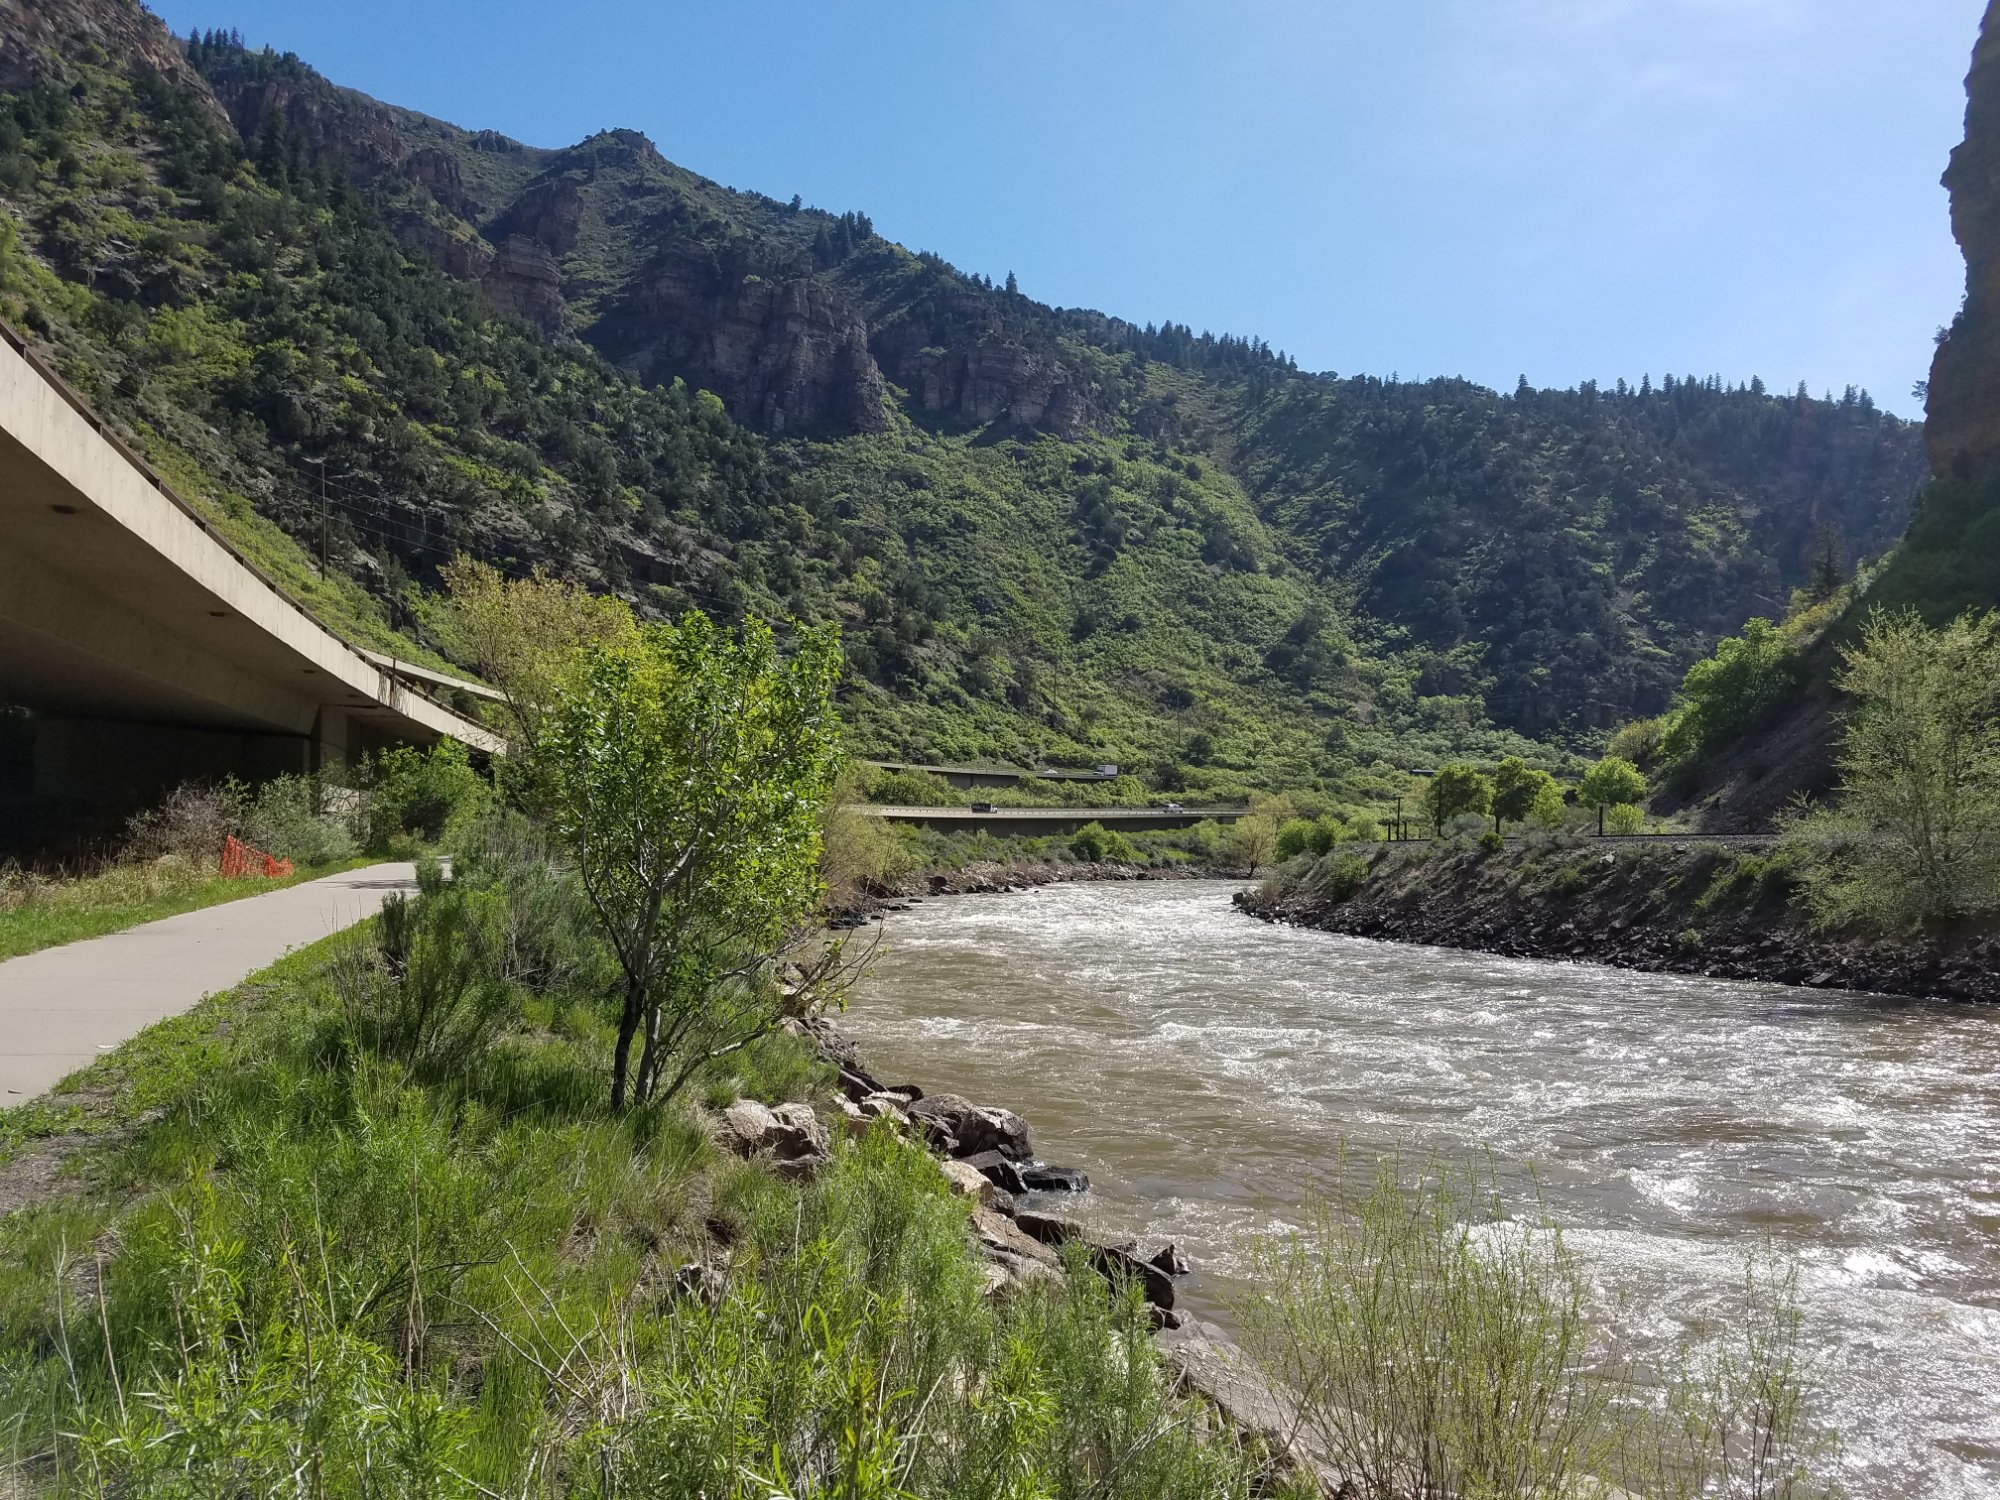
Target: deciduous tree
x=1916, y=835
x=1516, y=788
x=685, y=770
x=1612, y=782
x=1457, y=788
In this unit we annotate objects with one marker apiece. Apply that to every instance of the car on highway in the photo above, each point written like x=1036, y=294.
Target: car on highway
x=984, y=807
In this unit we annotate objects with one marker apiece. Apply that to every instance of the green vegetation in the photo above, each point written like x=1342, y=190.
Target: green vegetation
x=1443, y=1346
x=394, y=805
x=1914, y=839
x=686, y=773
x=39, y=912
x=1611, y=783
x=1733, y=691
x=1198, y=561
x=403, y=1269
x=1455, y=791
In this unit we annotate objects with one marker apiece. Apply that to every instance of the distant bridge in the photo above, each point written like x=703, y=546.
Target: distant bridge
x=966, y=778
x=1033, y=822
x=149, y=650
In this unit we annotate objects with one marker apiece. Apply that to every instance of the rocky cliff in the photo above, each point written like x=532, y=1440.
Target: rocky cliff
x=37, y=35
x=1962, y=415
x=666, y=273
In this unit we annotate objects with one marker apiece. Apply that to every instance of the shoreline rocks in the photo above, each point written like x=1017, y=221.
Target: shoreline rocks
x=1650, y=910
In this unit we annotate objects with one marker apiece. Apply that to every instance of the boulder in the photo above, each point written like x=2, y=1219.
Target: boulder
x=1211, y=1366
x=997, y=1169
x=968, y=1182
x=1114, y=1265
x=961, y=1128
x=1048, y=1229
x=1045, y=1179
x=789, y=1133
x=886, y=1106
x=998, y=1233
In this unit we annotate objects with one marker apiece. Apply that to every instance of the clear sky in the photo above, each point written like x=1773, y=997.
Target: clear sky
x=1567, y=189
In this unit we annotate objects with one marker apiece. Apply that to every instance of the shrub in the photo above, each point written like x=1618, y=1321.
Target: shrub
x=1098, y=845
x=1491, y=842
x=421, y=793
x=296, y=818
x=428, y=992
x=1639, y=741
x=190, y=823
x=1294, y=838
x=1427, y=1361
x=1916, y=837
x=910, y=789
x=1732, y=691
x=1625, y=818
x=1339, y=876
x=1432, y=1343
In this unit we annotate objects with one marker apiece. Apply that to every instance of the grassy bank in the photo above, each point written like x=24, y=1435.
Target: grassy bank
x=37, y=913
x=327, y=1236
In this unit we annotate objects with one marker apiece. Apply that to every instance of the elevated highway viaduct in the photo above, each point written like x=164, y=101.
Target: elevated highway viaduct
x=139, y=649
x=1034, y=822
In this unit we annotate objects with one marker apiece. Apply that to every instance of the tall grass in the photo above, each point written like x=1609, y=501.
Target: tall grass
x=1432, y=1344
x=352, y=1261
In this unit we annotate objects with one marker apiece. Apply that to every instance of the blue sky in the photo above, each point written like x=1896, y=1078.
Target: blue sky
x=1567, y=189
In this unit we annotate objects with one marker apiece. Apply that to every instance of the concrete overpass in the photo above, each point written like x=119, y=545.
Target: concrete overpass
x=966, y=778
x=1033, y=822
x=148, y=650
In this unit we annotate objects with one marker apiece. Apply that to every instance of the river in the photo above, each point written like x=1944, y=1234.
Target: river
x=1206, y=1068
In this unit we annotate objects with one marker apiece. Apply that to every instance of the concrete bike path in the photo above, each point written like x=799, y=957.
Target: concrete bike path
x=63, y=1007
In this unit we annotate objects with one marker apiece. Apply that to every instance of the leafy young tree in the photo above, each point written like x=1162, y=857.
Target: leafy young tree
x=1731, y=691
x=1612, y=782
x=1457, y=788
x=685, y=770
x=1916, y=836
x=1516, y=788
x=525, y=636
x=1548, y=808
x=1254, y=840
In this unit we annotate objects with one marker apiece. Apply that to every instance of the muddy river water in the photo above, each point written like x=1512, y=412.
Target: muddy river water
x=1206, y=1069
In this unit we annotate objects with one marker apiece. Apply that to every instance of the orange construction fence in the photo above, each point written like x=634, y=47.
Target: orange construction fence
x=239, y=858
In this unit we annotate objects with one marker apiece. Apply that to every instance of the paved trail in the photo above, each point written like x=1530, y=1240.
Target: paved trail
x=62, y=1007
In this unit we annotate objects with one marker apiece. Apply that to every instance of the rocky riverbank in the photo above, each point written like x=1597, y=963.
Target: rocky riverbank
x=986, y=1154
x=1689, y=908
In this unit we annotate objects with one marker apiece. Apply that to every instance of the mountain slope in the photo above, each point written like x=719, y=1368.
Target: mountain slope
x=1049, y=532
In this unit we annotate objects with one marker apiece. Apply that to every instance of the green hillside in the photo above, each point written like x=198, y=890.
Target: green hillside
x=1050, y=534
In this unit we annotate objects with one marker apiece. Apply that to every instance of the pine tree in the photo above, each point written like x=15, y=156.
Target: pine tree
x=1013, y=286
x=1826, y=573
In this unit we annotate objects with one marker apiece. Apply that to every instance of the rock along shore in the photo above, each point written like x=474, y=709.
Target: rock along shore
x=1665, y=908
x=986, y=1156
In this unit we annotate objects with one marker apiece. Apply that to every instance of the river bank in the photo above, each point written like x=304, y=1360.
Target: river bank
x=1665, y=908
x=1211, y=1074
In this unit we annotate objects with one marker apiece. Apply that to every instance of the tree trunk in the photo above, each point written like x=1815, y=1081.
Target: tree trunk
x=628, y=1026
x=1600, y=820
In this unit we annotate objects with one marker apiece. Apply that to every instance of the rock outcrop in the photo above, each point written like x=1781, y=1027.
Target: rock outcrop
x=35, y=36
x=1962, y=413
x=785, y=356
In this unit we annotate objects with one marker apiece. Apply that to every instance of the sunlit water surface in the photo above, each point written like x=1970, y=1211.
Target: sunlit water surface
x=1205, y=1069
